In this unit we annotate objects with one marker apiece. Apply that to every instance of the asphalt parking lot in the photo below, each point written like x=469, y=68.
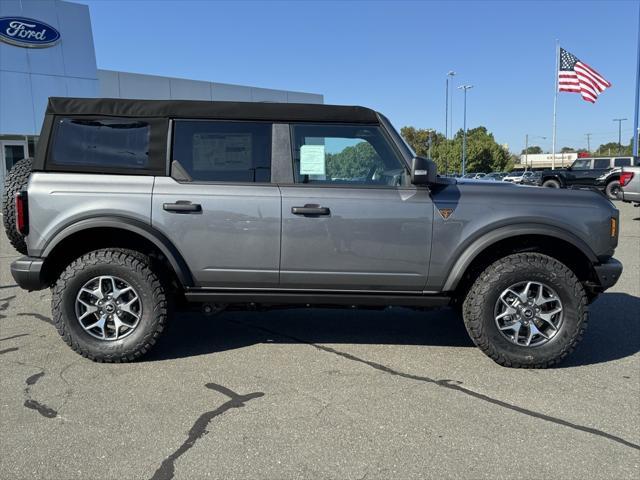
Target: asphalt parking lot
x=321, y=394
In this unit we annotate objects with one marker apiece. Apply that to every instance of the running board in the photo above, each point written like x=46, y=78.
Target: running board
x=315, y=298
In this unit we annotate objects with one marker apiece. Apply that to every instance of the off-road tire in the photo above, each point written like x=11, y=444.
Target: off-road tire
x=551, y=183
x=479, y=304
x=612, y=188
x=15, y=181
x=132, y=267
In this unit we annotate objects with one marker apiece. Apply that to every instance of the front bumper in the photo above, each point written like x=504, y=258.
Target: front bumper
x=27, y=272
x=608, y=273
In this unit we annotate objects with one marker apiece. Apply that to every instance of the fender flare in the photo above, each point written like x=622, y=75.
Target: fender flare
x=477, y=246
x=132, y=225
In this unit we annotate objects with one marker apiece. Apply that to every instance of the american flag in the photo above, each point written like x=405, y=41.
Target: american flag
x=578, y=77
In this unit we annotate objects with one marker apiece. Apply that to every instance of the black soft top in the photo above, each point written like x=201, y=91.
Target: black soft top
x=285, y=112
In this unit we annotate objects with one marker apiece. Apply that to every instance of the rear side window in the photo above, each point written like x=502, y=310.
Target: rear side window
x=600, y=163
x=622, y=162
x=111, y=143
x=217, y=151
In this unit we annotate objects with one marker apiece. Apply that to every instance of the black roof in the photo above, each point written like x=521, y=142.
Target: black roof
x=285, y=112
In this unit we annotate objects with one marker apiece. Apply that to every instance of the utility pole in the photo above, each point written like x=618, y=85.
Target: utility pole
x=526, y=151
x=619, y=120
x=464, y=127
x=588, y=135
x=636, y=130
x=430, y=132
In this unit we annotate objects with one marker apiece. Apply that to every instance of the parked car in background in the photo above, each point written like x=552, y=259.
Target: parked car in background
x=514, y=177
x=630, y=185
x=603, y=173
x=531, y=178
x=498, y=176
x=474, y=175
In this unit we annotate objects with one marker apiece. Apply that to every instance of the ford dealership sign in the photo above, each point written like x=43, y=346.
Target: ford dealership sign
x=27, y=32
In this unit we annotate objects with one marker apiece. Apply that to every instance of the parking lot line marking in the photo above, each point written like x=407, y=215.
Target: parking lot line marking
x=452, y=385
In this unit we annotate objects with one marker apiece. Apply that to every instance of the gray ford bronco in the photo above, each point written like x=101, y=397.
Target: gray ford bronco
x=133, y=208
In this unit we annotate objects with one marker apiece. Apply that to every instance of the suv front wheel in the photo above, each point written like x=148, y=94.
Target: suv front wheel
x=109, y=305
x=526, y=310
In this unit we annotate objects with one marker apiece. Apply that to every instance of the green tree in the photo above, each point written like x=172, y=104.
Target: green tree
x=532, y=150
x=611, y=148
x=567, y=150
x=484, y=154
x=352, y=162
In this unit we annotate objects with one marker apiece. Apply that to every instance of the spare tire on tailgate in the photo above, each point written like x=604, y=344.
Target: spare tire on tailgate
x=15, y=182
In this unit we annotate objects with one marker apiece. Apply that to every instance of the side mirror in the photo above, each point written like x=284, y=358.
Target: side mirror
x=423, y=171
x=569, y=168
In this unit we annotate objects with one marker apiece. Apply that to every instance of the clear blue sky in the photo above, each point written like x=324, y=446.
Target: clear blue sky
x=393, y=56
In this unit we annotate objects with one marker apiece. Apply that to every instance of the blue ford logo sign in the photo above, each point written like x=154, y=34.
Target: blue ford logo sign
x=27, y=32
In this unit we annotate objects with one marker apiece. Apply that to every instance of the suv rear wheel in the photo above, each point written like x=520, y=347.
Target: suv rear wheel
x=551, y=183
x=612, y=189
x=526, y=310
x=109, y=305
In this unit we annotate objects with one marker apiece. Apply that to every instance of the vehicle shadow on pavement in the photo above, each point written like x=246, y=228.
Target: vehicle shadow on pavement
x=192, y=334
x=613, y=332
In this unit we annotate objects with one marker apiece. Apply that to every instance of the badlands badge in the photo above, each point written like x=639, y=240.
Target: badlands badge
x=445, y=212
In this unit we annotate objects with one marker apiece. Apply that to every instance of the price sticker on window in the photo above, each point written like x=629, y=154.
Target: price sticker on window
x=312, y=160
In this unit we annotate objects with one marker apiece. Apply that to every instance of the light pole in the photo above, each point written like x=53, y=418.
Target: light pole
x=526, y=149
x=430, y=132
x=588, y=135
x=619, y=120
x=451, y=74
x=464, y=128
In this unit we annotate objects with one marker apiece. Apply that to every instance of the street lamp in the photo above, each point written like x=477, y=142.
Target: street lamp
x=619, y=120
x=464, y=128
x=451, y=74
x=526, y=148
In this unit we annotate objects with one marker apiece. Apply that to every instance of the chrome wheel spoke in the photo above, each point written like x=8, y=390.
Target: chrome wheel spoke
x=114, y=304
x=100, y=324
x=528, y=313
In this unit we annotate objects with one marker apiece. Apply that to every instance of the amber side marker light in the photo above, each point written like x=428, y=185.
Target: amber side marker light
x=614, y=227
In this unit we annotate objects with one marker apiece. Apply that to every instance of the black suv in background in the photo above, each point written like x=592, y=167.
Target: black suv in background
x=603, y=173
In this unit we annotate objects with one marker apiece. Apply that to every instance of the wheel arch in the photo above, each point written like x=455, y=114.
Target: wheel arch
x=99, y=232
x=553, y=241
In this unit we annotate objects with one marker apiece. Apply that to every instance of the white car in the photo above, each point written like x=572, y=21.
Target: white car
x=515, y=176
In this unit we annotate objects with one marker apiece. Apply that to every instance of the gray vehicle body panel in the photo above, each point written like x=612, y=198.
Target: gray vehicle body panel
x=374, y=238
x=234, y=241
x=58, y=200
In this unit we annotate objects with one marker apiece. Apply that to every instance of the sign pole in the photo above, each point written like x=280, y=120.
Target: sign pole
x=555, y=104
x=637, y=105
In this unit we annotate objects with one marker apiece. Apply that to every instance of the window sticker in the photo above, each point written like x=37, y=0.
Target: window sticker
x=216, y=152
x=312, y=160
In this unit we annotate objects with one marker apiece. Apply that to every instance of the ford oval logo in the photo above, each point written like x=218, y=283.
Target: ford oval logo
x=27, y=32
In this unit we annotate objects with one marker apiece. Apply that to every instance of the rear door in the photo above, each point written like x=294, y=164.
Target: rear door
x=580, y=172
x=600, y=167
x=351, y=220
x=219, y=208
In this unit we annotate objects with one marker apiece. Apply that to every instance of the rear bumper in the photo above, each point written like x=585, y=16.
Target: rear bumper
x=27, y=272
x=608, y=273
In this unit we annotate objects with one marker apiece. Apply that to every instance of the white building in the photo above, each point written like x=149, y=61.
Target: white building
x=46, y=49
x=545, y=160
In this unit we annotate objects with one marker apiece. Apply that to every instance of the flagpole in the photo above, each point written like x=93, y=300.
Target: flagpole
x=555, y=104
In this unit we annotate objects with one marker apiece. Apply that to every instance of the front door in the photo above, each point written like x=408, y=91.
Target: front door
x=220, y=209
x=11, y=152
x=352, y=221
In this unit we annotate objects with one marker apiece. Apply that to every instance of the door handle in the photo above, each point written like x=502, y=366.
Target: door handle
x=182, y=206
x=311, y=210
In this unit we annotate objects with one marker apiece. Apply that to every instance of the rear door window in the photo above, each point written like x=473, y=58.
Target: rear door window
x=120, y=144
x=218, y=151
x=622, y=162
x=601, y=163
